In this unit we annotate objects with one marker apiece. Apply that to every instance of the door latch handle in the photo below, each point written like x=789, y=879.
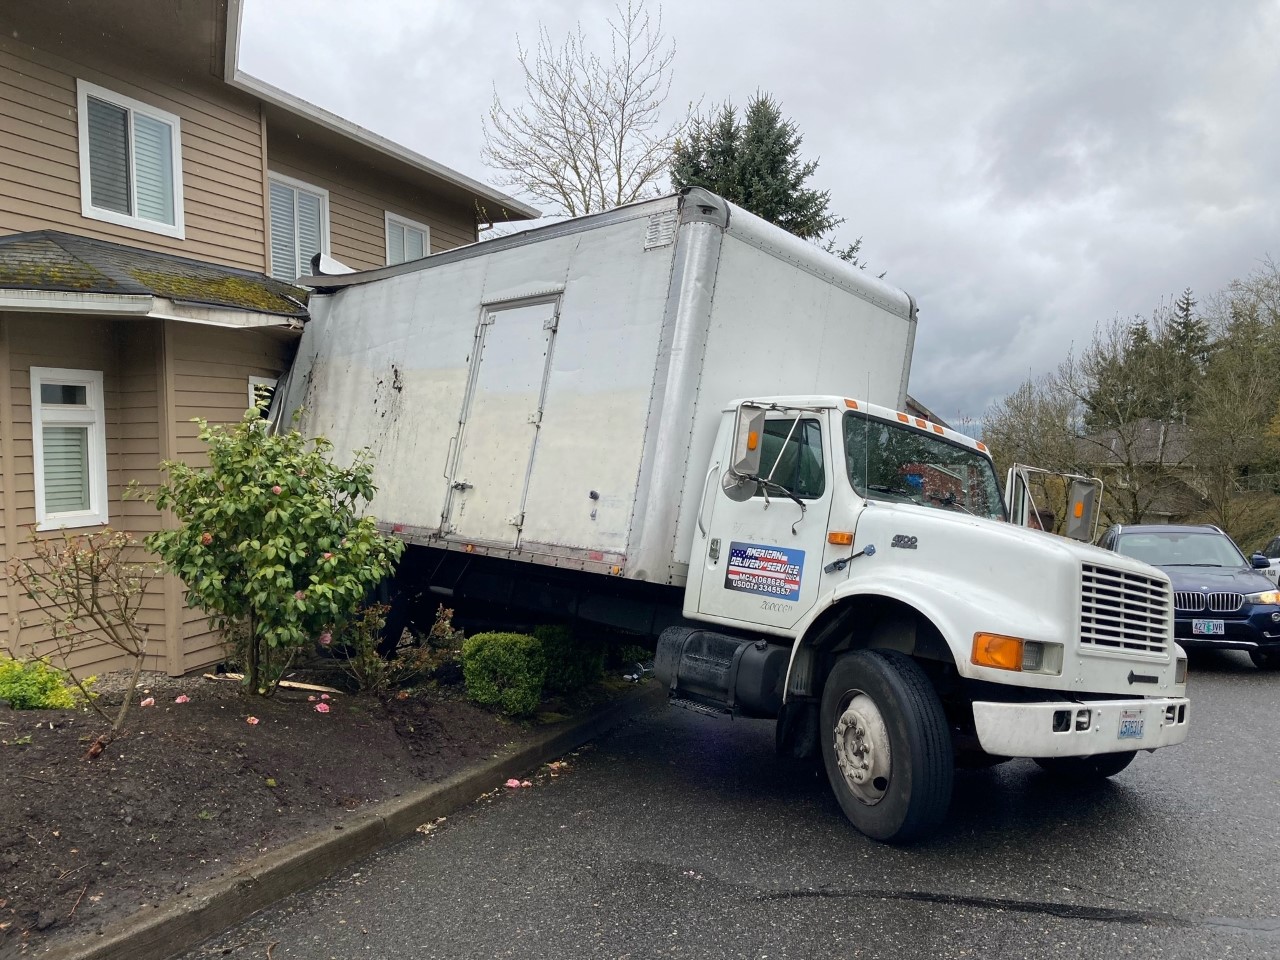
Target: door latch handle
x=461, y=485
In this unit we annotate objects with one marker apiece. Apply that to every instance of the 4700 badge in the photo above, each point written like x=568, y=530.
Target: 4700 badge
x=766, y=570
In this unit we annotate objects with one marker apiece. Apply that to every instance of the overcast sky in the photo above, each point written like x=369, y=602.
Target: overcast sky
x=1024, y=170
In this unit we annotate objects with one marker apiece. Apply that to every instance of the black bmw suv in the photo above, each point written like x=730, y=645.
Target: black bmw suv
x=1220, y=599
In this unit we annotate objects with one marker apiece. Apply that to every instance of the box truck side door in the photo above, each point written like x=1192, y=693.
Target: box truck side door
x=498, y=425
x=760, y=558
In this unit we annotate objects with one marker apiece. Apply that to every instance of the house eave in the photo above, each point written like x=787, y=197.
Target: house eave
x=138, y=307
x=235, y=77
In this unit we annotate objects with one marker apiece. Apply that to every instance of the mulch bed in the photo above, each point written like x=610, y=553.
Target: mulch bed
x=194, y=790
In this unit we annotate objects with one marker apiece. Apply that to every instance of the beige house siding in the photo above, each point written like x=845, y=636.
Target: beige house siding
x=222, y=155
x=148, y=366
x=359, y=199
x=211, y=369
x=81, y=343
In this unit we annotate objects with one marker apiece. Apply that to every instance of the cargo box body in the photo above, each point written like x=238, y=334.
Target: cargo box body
x=553, y=396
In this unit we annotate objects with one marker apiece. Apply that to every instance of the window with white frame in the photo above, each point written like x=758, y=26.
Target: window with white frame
x=406, y=239
x=262, y=391
x=68, y=434
x=130, y=161
x=299, y=226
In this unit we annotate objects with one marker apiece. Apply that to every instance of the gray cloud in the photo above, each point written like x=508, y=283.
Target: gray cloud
x=1024, y=170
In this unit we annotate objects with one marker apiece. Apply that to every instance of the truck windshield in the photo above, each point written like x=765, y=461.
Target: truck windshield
x=899, y=463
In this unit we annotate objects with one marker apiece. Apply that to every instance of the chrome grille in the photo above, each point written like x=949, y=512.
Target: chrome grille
x=1225, y=602
x=1187, y=601
x=1123, y=611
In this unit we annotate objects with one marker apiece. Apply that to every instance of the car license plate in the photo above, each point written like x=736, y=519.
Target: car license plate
x=1208, y=628
x=1131, y=722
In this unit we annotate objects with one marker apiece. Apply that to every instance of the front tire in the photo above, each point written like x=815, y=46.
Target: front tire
x=1086, y=769
x=1265, y=659
x=886, y=745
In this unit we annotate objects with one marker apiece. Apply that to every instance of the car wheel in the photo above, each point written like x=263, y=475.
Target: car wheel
x=1265, y=659
x=886, y=745
x=1085, y=769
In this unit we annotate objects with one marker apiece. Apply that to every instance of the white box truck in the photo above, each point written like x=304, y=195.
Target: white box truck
x=676, y=418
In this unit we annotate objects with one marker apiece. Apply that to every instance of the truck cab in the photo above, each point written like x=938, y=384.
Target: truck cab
x=860, y=580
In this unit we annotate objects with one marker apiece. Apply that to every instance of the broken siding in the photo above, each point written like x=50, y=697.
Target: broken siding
x=359, y=199
x=222, y=154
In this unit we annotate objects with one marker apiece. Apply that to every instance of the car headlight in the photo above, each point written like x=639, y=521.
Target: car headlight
x=1266, y=596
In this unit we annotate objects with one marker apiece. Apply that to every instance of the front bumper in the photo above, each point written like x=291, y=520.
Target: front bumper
x=1036, y=729
x=1254, y=632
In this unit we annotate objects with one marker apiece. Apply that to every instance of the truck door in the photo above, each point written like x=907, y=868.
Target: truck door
x=498, y=425
x=761, y=558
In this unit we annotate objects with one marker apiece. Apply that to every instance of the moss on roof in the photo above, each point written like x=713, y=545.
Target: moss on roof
x=245, y=292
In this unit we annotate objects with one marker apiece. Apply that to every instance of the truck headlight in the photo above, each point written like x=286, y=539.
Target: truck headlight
x=1014, y=653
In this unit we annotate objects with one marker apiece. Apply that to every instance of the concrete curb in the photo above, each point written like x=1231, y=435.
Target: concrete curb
x=218, y=904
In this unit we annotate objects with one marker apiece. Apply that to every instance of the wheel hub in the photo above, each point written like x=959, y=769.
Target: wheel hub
x=862, y=749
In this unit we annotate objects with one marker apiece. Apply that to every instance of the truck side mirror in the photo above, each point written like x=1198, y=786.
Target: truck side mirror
x=1082, y=505
x=748, y=436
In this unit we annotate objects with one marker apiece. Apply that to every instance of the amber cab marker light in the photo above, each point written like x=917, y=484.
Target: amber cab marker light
x=841, y=538
x=753, y=440
x=993, y=650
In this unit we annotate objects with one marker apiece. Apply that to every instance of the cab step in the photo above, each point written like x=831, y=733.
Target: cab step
x=697, y=707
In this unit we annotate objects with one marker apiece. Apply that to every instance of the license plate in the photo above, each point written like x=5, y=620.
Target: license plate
x=1208, y=628
x=1131, y=722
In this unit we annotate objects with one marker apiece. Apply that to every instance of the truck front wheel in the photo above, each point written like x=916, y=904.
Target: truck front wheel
x=886, y=745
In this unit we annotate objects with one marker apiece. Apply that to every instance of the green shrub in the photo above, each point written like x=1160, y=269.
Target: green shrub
x=572, y=663
x=504, y=670
x=34, y=685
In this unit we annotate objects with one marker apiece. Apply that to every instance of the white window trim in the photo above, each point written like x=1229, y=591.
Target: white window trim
x=395, y=218
x=271, y=382
x=84, y=90
x=93, y=416
x=321, y=192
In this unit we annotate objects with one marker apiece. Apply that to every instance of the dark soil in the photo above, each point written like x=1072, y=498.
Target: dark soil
x=194, y=790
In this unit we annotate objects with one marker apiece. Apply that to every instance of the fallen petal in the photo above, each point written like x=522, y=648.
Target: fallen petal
x=312, y=698
x=149, y=702
x=182, y=698
x=513, y=783
x=525, y=783
x=252, y=721
x=322, y=708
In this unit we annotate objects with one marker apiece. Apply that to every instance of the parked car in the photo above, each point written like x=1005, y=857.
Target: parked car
x=1272, y=552
x=1221, y=599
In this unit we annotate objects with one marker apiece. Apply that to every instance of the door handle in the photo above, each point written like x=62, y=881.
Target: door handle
x=702, y=507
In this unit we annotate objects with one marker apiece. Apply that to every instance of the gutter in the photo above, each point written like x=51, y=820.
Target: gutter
x=233, y=76
x=141, y=307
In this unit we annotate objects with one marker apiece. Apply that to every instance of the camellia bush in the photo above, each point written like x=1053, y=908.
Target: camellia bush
x=271, y=539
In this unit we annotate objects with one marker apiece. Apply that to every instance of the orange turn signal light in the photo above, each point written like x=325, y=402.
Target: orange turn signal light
x=841, y=538
x=753, y=440
x=993, y=650
x=1079, y=510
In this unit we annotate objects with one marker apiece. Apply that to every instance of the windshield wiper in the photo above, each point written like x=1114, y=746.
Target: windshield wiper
x=950, y=500
x=1192, y=565
x=896, y=491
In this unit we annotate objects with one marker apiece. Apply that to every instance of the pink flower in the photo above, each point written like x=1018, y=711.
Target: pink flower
x=149, y=702
x=513, y=783
x=182, y=698
x=251, y=721
x=277, y=489
x=206, y=538
x=325, y=638
x=324, y=696
x=322, y=708
x=312, y=698
x=300, y=595
x=326, y=556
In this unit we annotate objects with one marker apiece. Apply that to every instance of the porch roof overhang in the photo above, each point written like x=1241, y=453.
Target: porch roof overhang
x=52, y=272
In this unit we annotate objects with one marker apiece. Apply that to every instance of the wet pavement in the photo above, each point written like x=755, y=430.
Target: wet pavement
x=684, y=836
